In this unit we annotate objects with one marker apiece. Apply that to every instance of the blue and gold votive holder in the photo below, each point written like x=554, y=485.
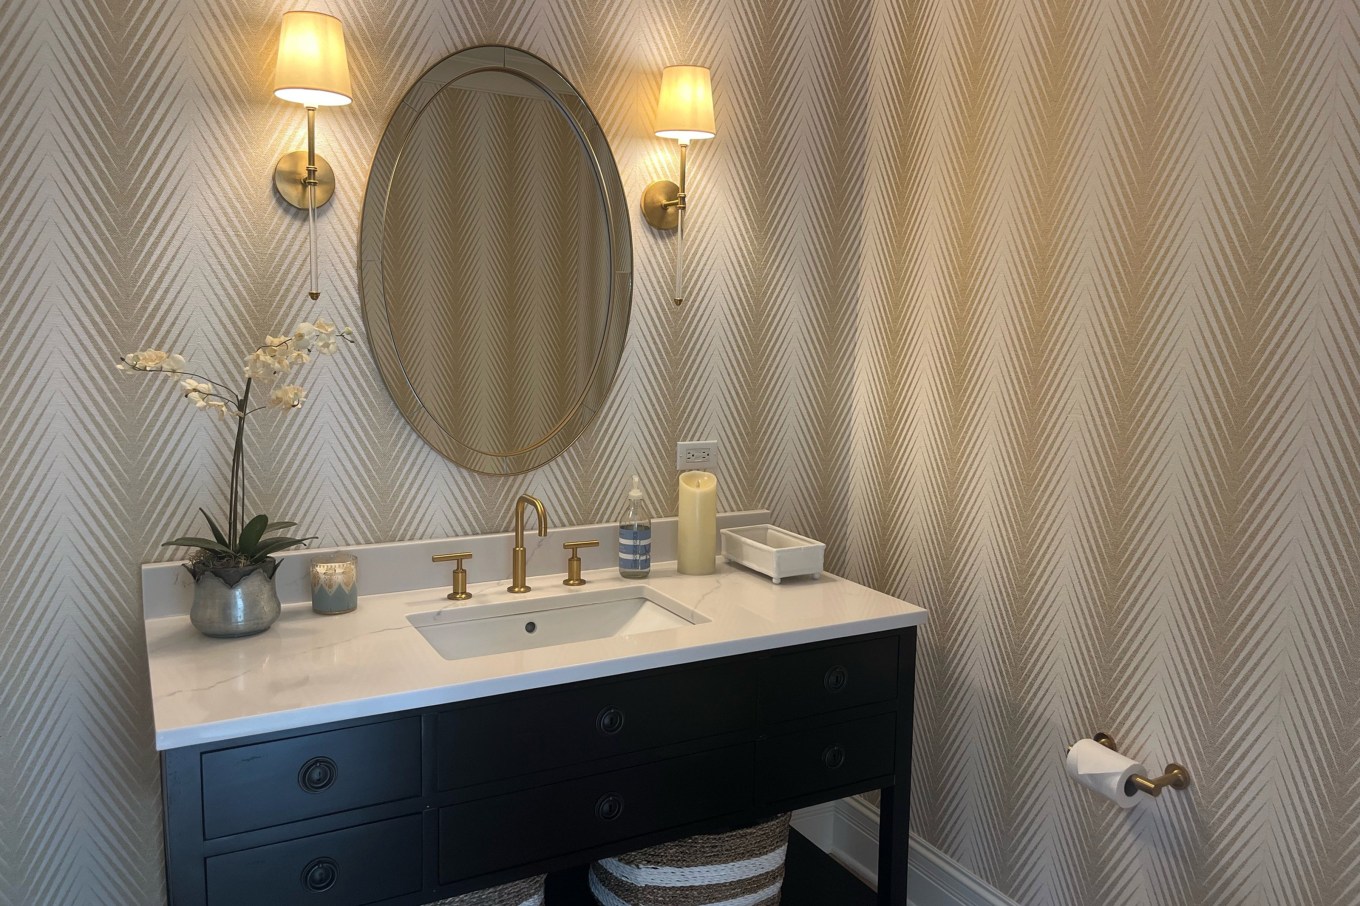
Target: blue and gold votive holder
x=335, y=583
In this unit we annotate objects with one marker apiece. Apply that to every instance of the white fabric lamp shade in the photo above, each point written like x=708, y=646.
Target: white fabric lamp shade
x=685, y=111
x=312, y=67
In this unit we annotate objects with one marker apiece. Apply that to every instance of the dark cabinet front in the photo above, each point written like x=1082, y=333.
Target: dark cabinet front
x=479, y=837
x=408, y=808
x=809, y=761
x=828, y=678
x=249, y=787
x=536, y=731
x=350, y=867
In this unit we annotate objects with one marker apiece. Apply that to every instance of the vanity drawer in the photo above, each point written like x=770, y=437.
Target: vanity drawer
x=532, y=732
x=343, y=868
x=271, y=783
x=828, y=757
x=498, y=832
x=828, y=679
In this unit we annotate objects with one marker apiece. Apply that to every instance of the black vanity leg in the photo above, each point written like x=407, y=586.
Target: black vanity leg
x=893, y=811
x=894, y=808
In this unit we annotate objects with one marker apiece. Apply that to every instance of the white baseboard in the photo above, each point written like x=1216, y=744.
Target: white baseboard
x=848, y=831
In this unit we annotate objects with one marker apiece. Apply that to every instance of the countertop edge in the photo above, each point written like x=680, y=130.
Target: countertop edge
x=376, y=706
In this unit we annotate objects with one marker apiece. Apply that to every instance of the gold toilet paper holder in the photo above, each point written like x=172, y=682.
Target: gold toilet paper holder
x=1174, y=776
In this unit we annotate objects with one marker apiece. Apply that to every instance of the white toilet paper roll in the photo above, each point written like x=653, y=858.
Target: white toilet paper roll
x=1103, y=771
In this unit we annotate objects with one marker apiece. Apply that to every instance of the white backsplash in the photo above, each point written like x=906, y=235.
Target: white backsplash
x=168, y=589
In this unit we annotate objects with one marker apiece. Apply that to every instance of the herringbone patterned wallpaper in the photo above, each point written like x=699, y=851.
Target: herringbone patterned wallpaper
x=1054, y=330
x=1107, y=430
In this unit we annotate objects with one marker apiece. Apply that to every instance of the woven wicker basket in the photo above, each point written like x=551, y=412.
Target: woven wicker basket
x=528, y=892
x=743, y=866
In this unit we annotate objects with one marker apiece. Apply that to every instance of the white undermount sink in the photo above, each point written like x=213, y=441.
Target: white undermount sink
x=476, y=630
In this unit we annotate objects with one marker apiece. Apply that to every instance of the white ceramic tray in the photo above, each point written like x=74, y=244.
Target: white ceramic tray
x=771, y=550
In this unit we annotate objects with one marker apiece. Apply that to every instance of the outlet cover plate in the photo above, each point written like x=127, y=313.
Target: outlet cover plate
x=696, y=454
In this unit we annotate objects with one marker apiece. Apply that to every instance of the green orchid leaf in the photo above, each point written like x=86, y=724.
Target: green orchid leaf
x=274, y=545
x=251, y=535
x=277, y=527
x=217, y=532
x=203, y=543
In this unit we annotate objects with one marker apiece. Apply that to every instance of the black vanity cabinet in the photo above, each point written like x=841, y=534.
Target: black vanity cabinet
x=411, y=807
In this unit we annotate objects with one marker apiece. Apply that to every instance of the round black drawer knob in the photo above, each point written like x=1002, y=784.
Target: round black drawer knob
x=609, y=807
x=320, y=875
x=834, y=757
x=610, y=721
x=318, y=774
x=836, y=679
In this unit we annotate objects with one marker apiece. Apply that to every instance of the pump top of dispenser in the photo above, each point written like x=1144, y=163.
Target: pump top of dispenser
x=636, y=492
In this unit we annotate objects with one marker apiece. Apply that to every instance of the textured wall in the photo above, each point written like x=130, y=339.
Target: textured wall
x=1108, y=433
x=1059, y=337
x=137, y=145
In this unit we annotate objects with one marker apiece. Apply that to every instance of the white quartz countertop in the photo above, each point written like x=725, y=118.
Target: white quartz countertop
x=310, y=669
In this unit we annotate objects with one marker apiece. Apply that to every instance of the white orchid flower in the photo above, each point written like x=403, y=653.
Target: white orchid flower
x=305, y=335
x=153, y=360
x=287, y=396
x=260, y=364
x=148, y=359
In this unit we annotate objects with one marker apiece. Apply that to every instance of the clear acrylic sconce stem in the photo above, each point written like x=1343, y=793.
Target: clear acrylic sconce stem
x=313, y=287
x=678, y=294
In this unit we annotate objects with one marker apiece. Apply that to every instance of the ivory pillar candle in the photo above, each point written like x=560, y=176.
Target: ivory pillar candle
x=698, y=512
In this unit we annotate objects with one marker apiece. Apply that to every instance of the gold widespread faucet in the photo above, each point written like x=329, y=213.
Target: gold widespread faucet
x=518, y=585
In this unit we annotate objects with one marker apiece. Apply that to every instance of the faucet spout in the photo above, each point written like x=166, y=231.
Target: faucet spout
x=518, y=577
x=528, y=500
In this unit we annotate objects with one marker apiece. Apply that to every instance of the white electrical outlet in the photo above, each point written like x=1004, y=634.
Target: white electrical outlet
x=696, y=454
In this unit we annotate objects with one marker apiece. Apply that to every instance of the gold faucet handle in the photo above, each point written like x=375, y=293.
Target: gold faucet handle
x=574, y=561
x=460, y=592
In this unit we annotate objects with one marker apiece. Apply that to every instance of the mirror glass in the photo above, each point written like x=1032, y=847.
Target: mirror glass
x=495, y=260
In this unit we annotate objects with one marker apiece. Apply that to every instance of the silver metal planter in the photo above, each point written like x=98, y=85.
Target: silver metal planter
x=230, y=603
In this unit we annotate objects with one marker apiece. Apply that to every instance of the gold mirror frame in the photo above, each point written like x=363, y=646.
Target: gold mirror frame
x=371, y=240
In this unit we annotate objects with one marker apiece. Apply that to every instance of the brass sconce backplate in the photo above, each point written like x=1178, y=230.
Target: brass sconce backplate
x=659, y=204
x=290, y=178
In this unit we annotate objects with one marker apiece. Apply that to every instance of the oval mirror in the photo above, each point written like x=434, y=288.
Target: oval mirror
x=495, y=260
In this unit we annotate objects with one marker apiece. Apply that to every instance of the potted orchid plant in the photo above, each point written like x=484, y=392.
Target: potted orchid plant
x=233, y=570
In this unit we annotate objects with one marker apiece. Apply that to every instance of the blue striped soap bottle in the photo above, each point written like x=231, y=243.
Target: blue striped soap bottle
x=635, y=536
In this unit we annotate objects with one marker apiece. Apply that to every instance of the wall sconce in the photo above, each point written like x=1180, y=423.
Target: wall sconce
x=312, y=70
x=684, y=113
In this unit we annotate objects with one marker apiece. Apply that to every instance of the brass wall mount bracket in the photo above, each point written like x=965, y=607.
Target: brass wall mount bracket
x=290, y=179
x=663, y=200
x=661, y=205
x=1174, y=775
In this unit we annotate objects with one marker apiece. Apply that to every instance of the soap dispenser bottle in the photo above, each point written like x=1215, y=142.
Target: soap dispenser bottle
x=635, y=536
